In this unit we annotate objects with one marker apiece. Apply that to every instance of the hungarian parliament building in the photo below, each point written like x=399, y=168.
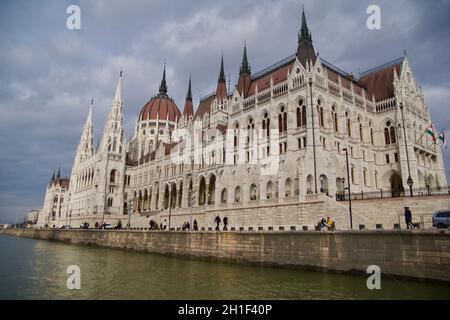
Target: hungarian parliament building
x=292, y=134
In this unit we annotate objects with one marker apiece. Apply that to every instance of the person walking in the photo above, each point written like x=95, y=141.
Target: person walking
x=408, y=218
x=217, y=221
x=225, y=223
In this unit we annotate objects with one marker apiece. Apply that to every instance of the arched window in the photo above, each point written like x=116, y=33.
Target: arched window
x=266, y=123
x=236, y=134
x=349, y=125
x=320, y=112
x=253, y=192
x=301, y=114
x=237, y=194
x=287, y=187
x=389, y=134
x=250, y=129
x=392, y=133
x=112, y=176
x=371, y=133
x=282, y=120
x=269, y=190
x=361, y=136
x=335, y=119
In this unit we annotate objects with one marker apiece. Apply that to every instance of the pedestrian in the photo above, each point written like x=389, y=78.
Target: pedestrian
x=225, y=223
x=188, y=226
x=330, y=223
x=96, y=225
x=408, y=218
x=195, y=225
x=164, y=224
x=217, y=221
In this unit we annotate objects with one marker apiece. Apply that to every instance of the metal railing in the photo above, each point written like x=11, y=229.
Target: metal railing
x=387, y=193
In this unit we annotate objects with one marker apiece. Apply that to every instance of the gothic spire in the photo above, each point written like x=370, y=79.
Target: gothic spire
x=189, y=93
x=222, y=71
x=245, y=66
x=118, y=95
x=163, y=86
x=188, y=111
x=304, y=33
x=305, y=50
x=58, y=175
x=221, y=90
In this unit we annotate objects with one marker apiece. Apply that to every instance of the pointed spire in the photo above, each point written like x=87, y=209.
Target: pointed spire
x=189, y=93
x=221, y=90
x=245, y=66
x=89, y=117
x=304, y=33
x=222, y=71
x=53, y=176
x=305, y=50
x=163, y=86
x=58, y=175
x=118, y=95
x=188, y=111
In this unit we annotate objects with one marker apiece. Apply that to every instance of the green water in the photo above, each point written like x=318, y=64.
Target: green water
x=36, y=269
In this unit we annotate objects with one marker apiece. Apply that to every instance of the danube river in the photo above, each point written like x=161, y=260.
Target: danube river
x=37, y=269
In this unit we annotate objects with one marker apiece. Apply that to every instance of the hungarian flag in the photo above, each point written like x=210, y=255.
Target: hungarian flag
x=432, y=132
x=442, y=139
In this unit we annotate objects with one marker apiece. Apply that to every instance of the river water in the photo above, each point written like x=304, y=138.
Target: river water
x=37, y=269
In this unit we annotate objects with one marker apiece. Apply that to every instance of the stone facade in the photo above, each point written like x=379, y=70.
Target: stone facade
x=277, y=141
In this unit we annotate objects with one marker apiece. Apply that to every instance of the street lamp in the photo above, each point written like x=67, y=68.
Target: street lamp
x=349, y=190
x=410, y=181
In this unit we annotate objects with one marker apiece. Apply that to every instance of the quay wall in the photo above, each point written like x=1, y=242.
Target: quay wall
x=414, y=253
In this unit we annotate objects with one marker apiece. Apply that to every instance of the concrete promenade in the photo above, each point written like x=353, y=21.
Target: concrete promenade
x=416, y=254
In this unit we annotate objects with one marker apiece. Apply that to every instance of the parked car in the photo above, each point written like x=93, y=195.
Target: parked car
x=441, y=219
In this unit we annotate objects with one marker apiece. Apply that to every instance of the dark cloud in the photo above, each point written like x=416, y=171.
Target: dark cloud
x=50, y=73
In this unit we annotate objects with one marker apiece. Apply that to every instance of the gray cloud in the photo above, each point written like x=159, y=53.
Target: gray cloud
x=50, y=73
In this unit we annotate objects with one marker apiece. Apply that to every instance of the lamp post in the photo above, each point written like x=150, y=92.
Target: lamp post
x=410, y=181
x=170, y=204
x=349, y=190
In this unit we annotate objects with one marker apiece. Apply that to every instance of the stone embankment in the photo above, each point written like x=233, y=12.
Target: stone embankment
x=416, y=254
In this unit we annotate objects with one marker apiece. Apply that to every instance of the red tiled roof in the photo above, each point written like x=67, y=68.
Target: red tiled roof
x=243, y=84
x=380, y=82
x=160, y=106
x=204, y=106
x=278, y=75
x=188, y=109
x=332, y=75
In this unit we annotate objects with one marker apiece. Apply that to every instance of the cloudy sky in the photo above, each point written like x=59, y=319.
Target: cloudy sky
x=49, y=73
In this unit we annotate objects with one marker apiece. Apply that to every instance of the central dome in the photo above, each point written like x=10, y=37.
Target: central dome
x=160, y=107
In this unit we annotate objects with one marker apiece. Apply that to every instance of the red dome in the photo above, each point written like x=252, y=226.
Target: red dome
x=159, y=107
